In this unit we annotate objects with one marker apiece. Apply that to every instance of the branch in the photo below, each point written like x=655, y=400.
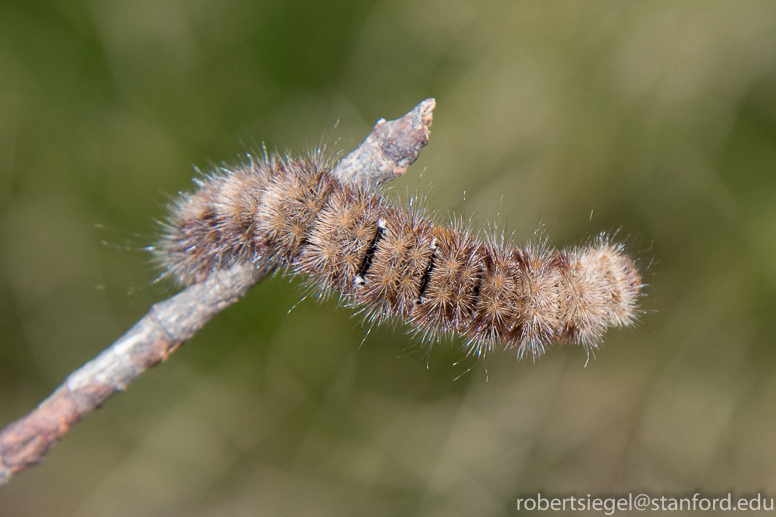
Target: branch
x=385, y=154
x=389, y=149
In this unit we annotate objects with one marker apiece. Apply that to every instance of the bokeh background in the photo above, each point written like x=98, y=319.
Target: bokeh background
x=654, y=118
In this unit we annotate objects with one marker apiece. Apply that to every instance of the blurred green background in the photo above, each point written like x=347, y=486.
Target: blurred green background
x=658, y=118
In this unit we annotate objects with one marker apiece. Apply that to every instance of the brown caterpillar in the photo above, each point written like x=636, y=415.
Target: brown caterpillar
x=396, y=263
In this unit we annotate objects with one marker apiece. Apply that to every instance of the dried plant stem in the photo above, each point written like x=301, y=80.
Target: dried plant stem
x=385, y=154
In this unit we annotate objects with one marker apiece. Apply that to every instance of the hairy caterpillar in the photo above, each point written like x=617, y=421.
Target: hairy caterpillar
x=395, y=263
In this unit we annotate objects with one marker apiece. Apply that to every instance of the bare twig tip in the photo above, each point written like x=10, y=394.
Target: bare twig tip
x=391, y=147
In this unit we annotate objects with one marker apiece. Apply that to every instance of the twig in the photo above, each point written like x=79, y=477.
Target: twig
x=389, y=149
x=385, y=154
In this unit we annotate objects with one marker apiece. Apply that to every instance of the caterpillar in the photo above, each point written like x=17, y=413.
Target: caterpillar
x=396, y=263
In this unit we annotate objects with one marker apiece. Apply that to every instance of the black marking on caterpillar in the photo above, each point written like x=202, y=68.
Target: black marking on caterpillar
x=370, y=252
x=397, y=264
x=426, y=274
